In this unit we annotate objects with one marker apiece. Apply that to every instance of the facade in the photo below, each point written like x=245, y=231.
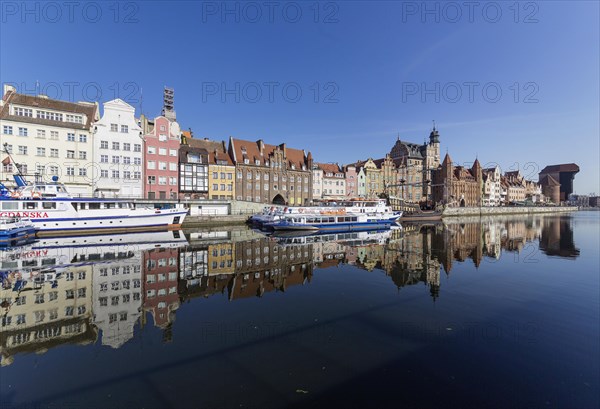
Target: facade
x=271, y=173
x=456, y=185
x=47, y=138
x=161, y=138
x=117, y=152
x=564, y=174
x=351, y=181
x=373, y=179
x=334, y=181
x=221, y=171
x=362, y=180
x=492, y=187
x=416, y=165
x=193, y=169
x=550, y=188
x=317, y=182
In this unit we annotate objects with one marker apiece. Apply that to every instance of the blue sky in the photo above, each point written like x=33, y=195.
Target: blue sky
x=367, y=71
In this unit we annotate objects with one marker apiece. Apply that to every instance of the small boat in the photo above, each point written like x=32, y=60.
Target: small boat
x=332, y=223
x=424, y=216
x=15, y=231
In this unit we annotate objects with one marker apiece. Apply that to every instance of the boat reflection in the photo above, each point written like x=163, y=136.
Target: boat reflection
x=97, y=289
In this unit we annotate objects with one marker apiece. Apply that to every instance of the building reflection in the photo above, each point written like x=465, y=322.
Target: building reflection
x=96, y=290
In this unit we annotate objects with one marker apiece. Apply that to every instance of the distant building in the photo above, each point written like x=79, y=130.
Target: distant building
x=334, y=181
x=162, y=137
x=48, y=137
x=550, y=188
x=458, y=186
x=117, y=152
x=564, y=174
x=317, y=182
x=193, y=169
x=221, y=171
x=271, y=173
x=351, y=181
x=492, y=186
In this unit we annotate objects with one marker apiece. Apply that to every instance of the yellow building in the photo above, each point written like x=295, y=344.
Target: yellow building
x=221, y=170
x=221, y=258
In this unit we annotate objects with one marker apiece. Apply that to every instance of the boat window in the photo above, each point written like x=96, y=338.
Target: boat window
x=111, y=205
x=74, y=205
x=10, y=206
x=30, y=205
x=94, y=206
x=332, y=220
x=48, y=205
x=354, y=219
x=29, y=263
x=48, y=261
x=81, y=206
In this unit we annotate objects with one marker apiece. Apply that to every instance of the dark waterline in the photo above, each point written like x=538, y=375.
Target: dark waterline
x=499, y=312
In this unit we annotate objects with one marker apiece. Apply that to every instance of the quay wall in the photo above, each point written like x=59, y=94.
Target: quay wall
x=492, y=211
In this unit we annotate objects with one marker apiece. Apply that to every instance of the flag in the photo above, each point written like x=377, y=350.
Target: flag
x=6, y=161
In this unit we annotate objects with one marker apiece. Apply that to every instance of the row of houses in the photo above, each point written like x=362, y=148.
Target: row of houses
x=118, y=155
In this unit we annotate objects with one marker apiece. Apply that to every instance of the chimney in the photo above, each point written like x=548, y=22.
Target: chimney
x=261, y=147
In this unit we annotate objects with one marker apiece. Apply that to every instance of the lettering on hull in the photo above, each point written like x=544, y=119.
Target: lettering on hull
x=30, y=215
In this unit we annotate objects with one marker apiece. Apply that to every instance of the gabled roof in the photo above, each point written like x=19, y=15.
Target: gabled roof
x=243, y=149
x=329, y=167
x=88, y=109
x=216, y=150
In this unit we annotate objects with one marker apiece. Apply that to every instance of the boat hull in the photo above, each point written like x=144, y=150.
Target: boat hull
x=333, y=227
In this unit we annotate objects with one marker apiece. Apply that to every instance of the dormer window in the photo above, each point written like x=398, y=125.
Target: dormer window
x=257, y=162
x=246, y=161
x=303, y=167
x=293, y=166
x=266, y=163
x=243, y=151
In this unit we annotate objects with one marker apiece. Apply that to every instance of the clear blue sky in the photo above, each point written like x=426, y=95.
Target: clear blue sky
x=370, y=60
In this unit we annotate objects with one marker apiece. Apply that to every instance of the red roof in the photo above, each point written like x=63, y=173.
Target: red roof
x=252, y=151
x=216, y=150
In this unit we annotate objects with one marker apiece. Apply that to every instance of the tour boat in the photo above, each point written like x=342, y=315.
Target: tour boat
x=332, y=222
x=55, y=212
x=15, y=231
x=359, y=206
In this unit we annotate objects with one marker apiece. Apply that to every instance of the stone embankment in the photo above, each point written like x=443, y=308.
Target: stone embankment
x=509, y=210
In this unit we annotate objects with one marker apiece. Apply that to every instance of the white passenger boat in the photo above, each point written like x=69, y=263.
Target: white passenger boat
x=377, y=207
x=54, y=212
x=16, y=231
x=339, y=222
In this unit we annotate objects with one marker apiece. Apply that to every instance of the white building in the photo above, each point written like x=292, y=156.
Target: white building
x=47, y=138
x=118, y=152
x=317, y=182
x=492, y=189
x=333, y=180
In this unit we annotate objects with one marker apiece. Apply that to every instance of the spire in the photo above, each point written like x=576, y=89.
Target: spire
x=434, y=136
x=447, y=159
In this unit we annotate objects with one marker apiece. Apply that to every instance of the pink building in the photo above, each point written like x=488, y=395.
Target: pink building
x=351, y=181
x=162, y=137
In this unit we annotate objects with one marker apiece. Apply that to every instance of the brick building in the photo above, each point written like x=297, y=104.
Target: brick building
x=456, y=185
x=271, y=173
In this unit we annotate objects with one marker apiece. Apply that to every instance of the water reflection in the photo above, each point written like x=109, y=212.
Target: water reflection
x=97, y=289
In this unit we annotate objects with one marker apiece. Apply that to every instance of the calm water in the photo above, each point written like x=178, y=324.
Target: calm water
x=491, y=313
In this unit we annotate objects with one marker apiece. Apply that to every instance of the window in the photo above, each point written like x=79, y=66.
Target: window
x=103, y=173
x=82, y=155
x=126, y=160
x=41, y=134
x=239, y=175
x=103, y=158
x=103, y=144
x=54, y=135
x=162, y=180
x=151, y=164
x=7, y=130
x=151, y=150
x=162, y=151
x=22, y=131
x=137, y=161
x=74, y=118
x=115, y=174
x=215, y=187
x=162, y=165
x=114, y=128
x=22, y=150
x=126, y=175
x=126, y=146
x=41, y=151
x=137, y=147
x=151, y=180
x=116, y=159
x=172, y=152
x=173, y=166
x=172, y=181
x=82, y=138
x=137, y=175
x=25, y=112
x=71, y=137
x=70, y=171
x=70, y=154
x=115, y=146
x=53, y=116
x=124, y=129
x=215, y=175
x=82, y=172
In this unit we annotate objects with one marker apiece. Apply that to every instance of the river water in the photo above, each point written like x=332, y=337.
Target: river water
x=496, y=312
